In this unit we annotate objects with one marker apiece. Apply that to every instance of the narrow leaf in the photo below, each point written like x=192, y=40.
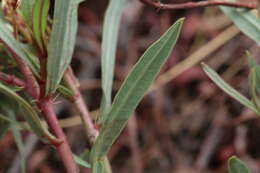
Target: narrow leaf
x=26, y=9
x=235, y=165
x=4, y=125
x=7, y=37
x=108, y=52
x=80, y=161
x=40, y=14
x=62, y=41
x=29, y=114
x=228, y=89
x=247, y=22
x=134, y=88
x=18, y=140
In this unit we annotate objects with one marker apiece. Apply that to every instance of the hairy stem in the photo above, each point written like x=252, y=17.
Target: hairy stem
x=188, y=5
x=80, y=105
x=63, y=147
x=12, y=80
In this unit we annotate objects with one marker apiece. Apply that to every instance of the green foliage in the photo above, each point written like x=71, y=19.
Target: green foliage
x=133, y=89
x=26, y=9
x=81, y=161
x=18, y=48
x=40, y=15
x=108, y=52
x=61, y=44
x=247, y=22
x=229, y=90
x=29, y=114
x=235, y=165
x=18, y=138
x=10, y=108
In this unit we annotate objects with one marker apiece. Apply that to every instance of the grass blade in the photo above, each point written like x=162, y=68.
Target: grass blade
x=29, y=113
x=133, y=89
x=228, y=89
x=108, y=52
x=247, y=22
x=62, y=41
x=235, y=165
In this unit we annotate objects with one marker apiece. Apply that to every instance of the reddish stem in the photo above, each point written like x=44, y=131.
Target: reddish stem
x=63, y=148
x=188, y=5
x=32, y=86
x=12, y=80
x=80, y=105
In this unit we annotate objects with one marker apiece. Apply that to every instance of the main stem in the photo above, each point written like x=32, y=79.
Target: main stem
x=63, y=147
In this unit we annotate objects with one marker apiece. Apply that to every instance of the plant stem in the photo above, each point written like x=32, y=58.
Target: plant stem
x=12, y=80
x=188, y=5
x=63, y=148
x=32, y=86
x=80, y=105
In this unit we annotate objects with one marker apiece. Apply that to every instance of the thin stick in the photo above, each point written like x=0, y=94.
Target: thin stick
x=63, y=148
x=12, y=80
x=80, y=105
x=188, y=5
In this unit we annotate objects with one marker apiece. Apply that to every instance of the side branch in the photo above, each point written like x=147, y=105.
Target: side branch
x=12, y=80
x=31, y=86
x=188, y=5
x=81, y=106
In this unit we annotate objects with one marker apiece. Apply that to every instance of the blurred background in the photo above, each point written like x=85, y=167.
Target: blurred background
x=185, y=123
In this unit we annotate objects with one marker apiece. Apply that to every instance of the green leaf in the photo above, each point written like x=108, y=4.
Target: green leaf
x=4, y=125
x=40, y=15
x=247, y=22
x=251, y=61
x=7, y=37
x=80, y=161
x=26, y=9
x=108, y=52
x=228, y=89
x=62, y=41
x=18, y=139
x=29, y=114
x=253, y=89
x=235, y=165
x=254, y=76
x=10, y=108
x=134, y=88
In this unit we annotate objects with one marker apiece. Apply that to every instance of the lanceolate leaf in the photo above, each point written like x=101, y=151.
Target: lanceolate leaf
x=247, y=22
x=18, y=140
x=26, y=9
x=228, y=89
x=235, y=165
x=40, y=14
x=108, y=52
x=4, y=125
x=62, y=41
x=29, y=113
x=10, y=108
x=133, y=89
x=7, y=37
x=81, y=162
